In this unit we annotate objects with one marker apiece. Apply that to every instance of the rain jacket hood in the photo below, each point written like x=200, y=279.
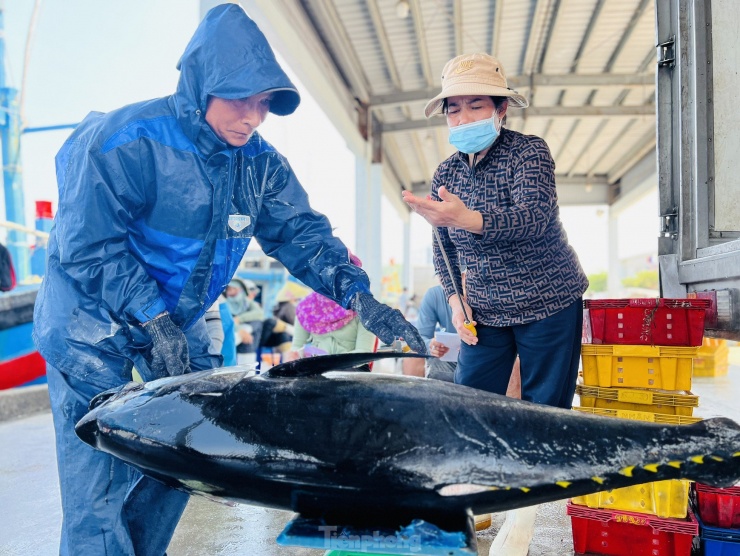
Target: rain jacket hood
x=228, y=57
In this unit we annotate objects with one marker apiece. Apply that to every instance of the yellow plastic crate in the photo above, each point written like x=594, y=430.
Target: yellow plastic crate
x=662, y=498
x=631, y=366
x=638, y=399
x=710, y=345
x=713, y=361
x=661, y=418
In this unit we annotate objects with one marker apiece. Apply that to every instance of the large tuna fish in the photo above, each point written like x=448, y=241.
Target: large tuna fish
x=315, y=437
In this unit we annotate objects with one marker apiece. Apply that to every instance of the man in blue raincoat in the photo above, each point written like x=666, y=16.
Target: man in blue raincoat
x=157, y=204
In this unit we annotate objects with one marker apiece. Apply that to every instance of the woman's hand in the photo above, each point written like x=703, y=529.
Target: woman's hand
x=437, y=349
x=290, y=356
x=458, y=319
x=448, y=212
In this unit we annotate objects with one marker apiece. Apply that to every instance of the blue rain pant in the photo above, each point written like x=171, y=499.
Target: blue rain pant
x=108, y=507
x=549, y=353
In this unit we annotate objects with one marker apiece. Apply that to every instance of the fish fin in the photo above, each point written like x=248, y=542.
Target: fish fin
x=105, y=395
x=312, y=366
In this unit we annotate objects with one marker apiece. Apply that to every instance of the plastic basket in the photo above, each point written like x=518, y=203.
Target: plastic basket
x=653, y=367
x=626, y=533
x=712, y=360
x=718, y=507
x=710, y=345
x=715, y=541
x=664, y=322
x=638, y=399
x=661, y=498
x=661, y=418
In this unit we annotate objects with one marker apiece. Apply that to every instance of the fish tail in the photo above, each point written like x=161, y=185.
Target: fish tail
x=716, y=461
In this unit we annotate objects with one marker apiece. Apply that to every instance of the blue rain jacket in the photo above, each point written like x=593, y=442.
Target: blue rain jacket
x=155, y=212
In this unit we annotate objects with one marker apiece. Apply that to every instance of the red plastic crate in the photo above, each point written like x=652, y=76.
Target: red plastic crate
x=657, y=322
x=630, y=534
x=719, y=507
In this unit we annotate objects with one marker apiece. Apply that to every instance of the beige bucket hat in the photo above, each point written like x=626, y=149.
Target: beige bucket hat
x=473, y=74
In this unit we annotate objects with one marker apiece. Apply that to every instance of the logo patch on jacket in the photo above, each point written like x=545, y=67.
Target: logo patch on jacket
x=238, y=222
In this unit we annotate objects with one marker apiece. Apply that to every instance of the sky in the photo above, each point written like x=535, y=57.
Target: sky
x=100, y=55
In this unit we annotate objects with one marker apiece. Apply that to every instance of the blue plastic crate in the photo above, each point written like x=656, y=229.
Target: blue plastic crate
x=716, y=541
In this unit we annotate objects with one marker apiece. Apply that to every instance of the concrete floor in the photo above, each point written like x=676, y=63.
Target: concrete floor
x=31, y=515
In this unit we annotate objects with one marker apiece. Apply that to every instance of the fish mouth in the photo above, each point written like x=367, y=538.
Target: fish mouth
x=87, y=428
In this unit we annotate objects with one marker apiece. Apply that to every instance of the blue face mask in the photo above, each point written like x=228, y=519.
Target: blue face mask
x=474, y=137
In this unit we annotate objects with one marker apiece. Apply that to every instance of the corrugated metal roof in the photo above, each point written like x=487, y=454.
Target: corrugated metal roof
x=587, y=67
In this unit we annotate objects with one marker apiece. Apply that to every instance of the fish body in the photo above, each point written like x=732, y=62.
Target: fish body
x=323, y=440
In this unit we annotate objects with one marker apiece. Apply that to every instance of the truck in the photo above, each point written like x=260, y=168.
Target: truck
x=698, y=156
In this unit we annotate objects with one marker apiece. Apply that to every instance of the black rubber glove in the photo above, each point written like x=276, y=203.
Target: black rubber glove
x=169, y=355
x=386, y=323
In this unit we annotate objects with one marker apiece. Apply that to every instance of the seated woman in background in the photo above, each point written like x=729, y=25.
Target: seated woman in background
x=277, y=331
x=322, y=327
x=248, y=316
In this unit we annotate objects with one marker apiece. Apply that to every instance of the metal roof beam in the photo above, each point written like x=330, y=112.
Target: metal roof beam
x=627, y=34
x=385, y=45
x=548, y=38
x=587, y=147
x=608, y=153
x=398, y=169
x=562, y=179
x=348, y=60
x=627, y=80
x=421, y=41
x=531, y=50
x=457, y=18
x=498, y=9
x=568, y=136
x=639, y=149
x=587, y=35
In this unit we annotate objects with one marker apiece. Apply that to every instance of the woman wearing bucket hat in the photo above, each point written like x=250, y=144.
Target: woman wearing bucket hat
x=494, y=204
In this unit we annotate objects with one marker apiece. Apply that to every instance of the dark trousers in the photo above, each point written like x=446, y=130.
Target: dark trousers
x=549, y=353
x=108, y=508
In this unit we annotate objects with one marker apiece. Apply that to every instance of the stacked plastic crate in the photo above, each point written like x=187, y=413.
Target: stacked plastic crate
x=637, y=364
x=718, y=514
x=717, y=509
x=713, y=358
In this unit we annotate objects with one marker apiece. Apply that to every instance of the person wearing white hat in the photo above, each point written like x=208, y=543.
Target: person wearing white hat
x=494, y=204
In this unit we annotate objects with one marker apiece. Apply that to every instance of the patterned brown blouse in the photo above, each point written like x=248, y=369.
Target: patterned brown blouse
x=521, y=268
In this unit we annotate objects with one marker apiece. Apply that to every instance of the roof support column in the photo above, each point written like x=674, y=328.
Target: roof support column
x=614, y=269
x=367, y=212
x=406, y=273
